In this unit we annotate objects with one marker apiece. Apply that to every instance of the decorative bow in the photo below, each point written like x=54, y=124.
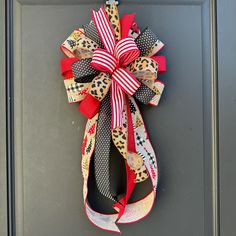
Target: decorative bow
x=110, y=62
x=113, y=60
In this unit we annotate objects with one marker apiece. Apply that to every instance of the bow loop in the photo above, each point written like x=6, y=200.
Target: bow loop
x=126, y=51
x=104, y=29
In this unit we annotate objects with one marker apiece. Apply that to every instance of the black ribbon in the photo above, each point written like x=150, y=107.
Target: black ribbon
x=144, y=94
x=83, y=72
x=90, y=31
x=102, y=148
x=146, y=40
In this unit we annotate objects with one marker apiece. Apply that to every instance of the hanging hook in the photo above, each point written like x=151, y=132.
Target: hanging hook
x=111, y=2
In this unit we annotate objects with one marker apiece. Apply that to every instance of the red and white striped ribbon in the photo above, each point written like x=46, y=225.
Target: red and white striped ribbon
x=104, y=29
x=126, y=51
x=112, y=60
x=104, y=61
x=127, y=82
x=117, y=104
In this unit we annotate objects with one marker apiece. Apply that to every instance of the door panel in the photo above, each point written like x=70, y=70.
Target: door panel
x=227, y=115
x=49, y=132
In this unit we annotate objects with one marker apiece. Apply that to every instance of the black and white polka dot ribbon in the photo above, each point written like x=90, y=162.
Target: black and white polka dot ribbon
x=102, y=149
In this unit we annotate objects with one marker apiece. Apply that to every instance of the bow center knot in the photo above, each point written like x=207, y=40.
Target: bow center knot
x=104, y=61
x=125, y=51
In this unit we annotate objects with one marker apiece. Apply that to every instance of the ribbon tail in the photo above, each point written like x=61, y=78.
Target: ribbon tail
x=102, y=149
x=140, y=209
x=117, y=105
x=130, y=185
x=130, y=175
x=102, y=221
x=143, y=145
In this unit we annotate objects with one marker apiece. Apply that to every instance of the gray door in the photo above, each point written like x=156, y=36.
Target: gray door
x=183, y=129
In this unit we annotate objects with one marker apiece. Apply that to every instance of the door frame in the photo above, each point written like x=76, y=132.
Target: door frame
x=9, y=118
x=3, y=178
